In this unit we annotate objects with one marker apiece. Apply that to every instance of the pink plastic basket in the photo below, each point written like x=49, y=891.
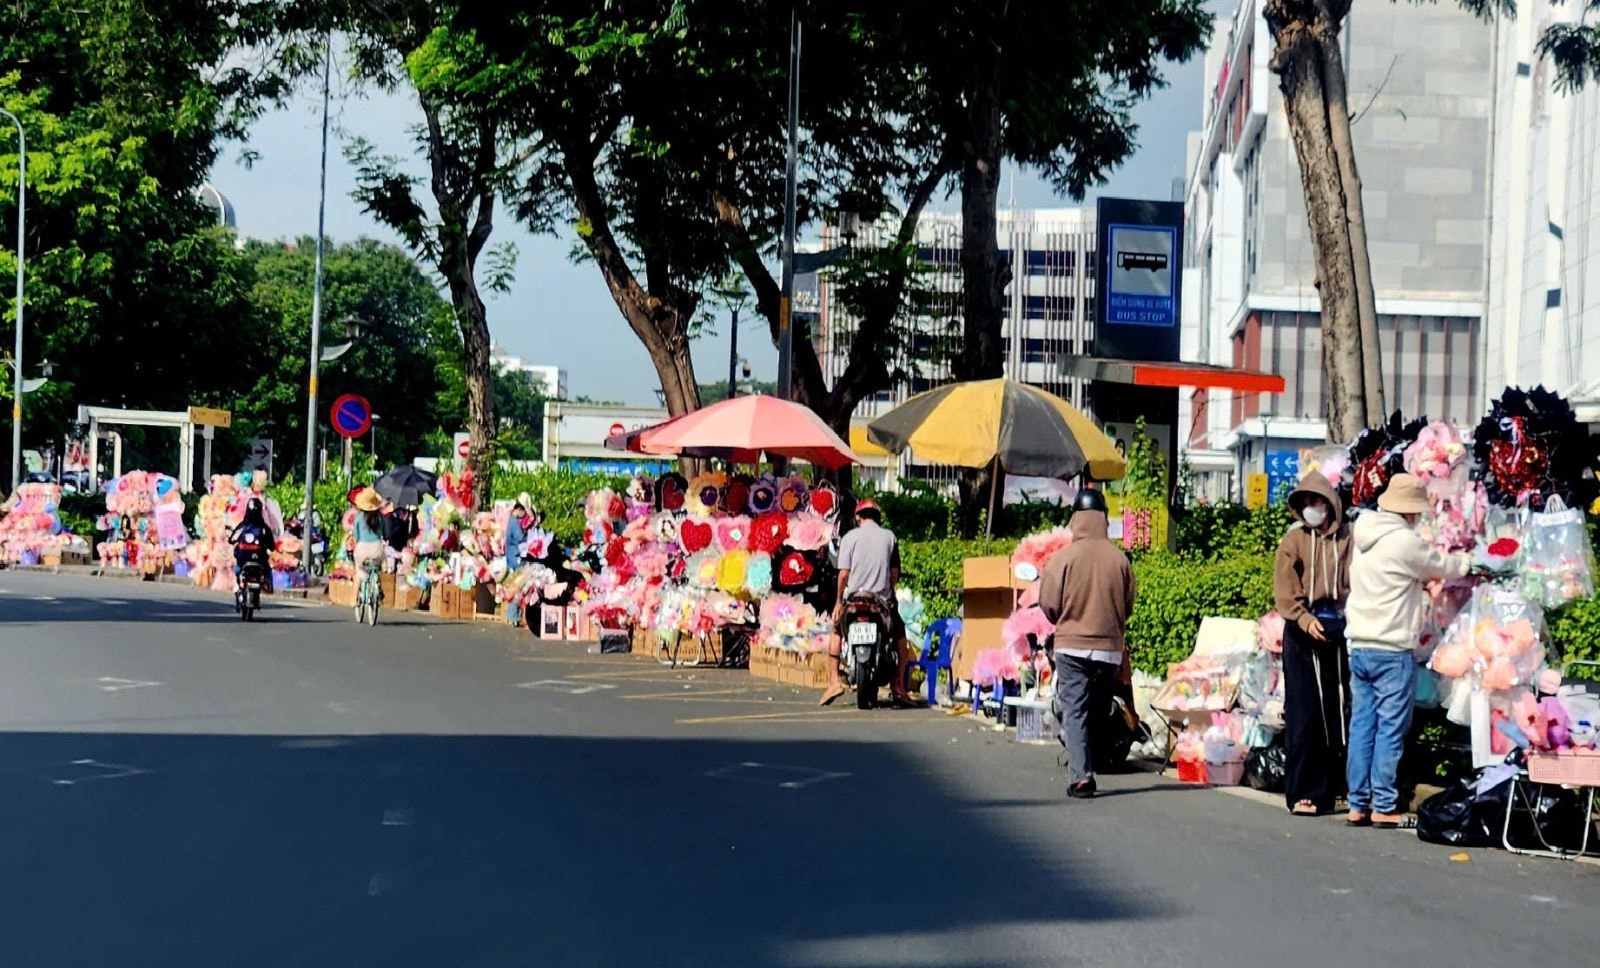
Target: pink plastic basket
x=1225, y=774
x=1567, y=769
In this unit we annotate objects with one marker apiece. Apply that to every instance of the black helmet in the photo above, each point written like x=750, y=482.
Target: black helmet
x=1090, y=499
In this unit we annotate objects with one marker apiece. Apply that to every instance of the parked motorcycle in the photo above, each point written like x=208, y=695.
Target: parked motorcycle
x=870, y=655
x=247, y=599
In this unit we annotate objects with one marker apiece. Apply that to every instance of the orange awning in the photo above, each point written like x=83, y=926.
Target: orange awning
x=1144, y=373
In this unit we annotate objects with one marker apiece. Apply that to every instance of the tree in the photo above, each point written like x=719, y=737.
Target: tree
x=521, y=403
x=133, y=294
x=1311, y=74
x=463, y=138
x=1050, y=86
x=403, y=360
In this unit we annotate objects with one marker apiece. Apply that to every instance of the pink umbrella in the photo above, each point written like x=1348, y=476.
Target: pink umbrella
x=743, y=428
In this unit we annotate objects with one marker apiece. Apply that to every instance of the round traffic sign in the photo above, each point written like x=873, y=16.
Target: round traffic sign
x=464, y=449
x=617, y=430
x=350, y=415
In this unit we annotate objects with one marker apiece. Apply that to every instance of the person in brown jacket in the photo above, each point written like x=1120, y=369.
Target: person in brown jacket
x=1087, y=591
x=1311, y=583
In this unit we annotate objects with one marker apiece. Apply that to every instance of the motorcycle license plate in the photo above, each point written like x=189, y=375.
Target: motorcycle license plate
x=863, y=633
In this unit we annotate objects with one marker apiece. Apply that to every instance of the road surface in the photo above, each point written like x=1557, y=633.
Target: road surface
x=178, y=788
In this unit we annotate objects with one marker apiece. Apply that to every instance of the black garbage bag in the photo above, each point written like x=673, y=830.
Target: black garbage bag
x=1451, y=818
x=1264, y=766
x=1542, y=815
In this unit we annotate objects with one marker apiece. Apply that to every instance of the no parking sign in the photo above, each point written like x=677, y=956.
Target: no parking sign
x=350, y=415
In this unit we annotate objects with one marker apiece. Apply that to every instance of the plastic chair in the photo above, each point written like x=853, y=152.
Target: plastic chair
x=938, y=645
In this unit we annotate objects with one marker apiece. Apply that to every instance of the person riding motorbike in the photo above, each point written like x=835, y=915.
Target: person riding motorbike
x=869, y=565
x=252, y=539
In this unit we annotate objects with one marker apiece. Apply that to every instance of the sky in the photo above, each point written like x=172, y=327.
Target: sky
x=558, y=312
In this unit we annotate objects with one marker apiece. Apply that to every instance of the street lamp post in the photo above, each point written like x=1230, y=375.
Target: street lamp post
x=786, y=299
x=733, y=356
x=373, y=444
x=16, y=359
x=1266, y=446
x=316, y=305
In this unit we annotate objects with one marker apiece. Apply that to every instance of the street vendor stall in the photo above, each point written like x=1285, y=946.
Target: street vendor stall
x=31, y=531
x=728, y=556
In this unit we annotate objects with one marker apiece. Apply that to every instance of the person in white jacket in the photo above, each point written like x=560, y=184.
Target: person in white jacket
x=1388, y=605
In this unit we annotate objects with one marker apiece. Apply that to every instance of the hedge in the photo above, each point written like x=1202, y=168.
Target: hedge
x=1175, y=592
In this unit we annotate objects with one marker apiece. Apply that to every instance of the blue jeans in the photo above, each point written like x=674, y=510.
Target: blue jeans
x=1383, y=688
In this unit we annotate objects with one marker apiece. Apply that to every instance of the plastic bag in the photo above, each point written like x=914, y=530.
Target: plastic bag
x=1507, y=637
x=1264, y=768
x=1460, y=817
x=1557, y=567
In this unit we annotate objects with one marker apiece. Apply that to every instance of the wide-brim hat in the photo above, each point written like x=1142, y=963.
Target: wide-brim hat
x=1405, y=494
x=368, y=500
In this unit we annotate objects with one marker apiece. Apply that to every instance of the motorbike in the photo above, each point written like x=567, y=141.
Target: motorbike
x=870, y=655
x=247, y=599
x=319, y=542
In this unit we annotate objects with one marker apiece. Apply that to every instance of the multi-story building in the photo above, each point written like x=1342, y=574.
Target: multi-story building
x=1419, y=77
x=1049, y=305
x=551, y=380
x=1544, y=228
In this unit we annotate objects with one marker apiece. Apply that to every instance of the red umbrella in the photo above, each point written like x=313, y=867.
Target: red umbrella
x=744, y=428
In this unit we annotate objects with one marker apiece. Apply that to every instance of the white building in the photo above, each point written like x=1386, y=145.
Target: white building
x=551, y=380
x=1418, y=82
x=1544, y=227
x=1049, y=306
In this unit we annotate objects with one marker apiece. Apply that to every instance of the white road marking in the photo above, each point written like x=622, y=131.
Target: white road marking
x=113, y=771
x=798, y=777
x=566, y=686
x=44, y=598
x=113, y=684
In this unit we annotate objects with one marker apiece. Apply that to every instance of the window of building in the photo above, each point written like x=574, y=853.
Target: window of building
x=1051, y=262
x=1051, y=308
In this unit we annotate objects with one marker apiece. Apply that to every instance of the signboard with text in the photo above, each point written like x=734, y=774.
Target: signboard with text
x=1138, y=279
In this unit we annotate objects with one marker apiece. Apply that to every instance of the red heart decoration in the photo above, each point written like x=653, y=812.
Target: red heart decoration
x=824, y=501
x=695, y=536
x=671, y=492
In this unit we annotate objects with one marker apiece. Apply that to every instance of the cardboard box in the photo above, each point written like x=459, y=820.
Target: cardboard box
x=444, y=599
x=342, y=593
x=480, y=601
x=803, y=670
x=406, y=597
x=988, y=596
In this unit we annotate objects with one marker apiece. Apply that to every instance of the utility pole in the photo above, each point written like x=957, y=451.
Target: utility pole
x=733, y=356
x=16, y=358
x=786, y=302
x=316, y=306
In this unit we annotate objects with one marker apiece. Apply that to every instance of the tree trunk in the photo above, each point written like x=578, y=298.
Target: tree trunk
x=984, y=276
x=482, y=421
x=1303, y=32
x=659, y=319
x=1334, y=84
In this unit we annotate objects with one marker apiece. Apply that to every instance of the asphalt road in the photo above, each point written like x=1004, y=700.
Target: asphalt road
x=178, y=788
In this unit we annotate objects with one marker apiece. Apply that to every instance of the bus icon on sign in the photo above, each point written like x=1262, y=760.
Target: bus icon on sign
x=1153, y=261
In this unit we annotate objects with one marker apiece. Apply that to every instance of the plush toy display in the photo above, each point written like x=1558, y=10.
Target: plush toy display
x=30, y=525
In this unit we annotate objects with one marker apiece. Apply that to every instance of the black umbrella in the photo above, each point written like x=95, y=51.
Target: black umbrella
x=406, y=485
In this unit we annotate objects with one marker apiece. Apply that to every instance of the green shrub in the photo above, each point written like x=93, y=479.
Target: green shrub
x=932, y=569
x=558, y=494
x=79, y=511
x=1575, y=633
x=1176, y=592
x=1230, y=530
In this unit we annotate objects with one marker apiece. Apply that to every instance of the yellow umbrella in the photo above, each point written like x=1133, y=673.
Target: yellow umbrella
x=1027, y=430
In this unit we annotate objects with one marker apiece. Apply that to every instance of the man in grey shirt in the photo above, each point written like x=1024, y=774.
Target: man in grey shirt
x=869, y=564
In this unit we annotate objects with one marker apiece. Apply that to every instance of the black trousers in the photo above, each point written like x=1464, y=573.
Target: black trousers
x=1316, y=682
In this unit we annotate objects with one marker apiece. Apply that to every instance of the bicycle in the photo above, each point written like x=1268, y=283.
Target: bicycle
x=370, y=592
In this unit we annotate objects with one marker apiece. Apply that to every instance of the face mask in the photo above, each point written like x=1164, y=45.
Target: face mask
x=1316, y=516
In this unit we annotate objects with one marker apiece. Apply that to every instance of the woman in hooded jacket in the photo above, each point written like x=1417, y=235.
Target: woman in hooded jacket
x=1311, y=584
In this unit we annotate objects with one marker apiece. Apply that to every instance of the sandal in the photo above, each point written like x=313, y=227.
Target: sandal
x=1305, y=808
x=1358, y=819
x=832, y=694
x=1399, y=821
x=906, y=702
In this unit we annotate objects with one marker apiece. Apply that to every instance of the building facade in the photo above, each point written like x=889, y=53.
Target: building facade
x=1544, y=228
x=1049, y=306
x=1419, y=79
x=551, y=380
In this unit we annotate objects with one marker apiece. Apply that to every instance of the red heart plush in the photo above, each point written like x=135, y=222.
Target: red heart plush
x=695, y=535
x=671, y=492
x=825, y=500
